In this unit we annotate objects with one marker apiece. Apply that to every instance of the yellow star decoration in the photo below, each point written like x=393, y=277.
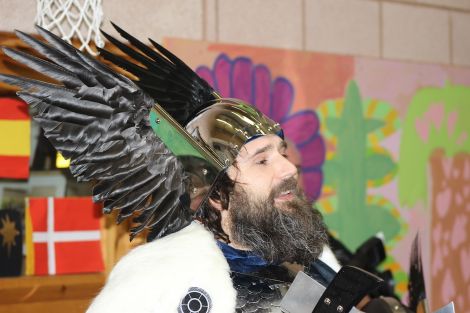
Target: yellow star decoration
x=9, y=232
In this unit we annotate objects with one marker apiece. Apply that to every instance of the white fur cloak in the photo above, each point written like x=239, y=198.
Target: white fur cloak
x=156, y=276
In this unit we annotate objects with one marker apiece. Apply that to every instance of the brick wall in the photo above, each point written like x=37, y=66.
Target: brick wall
x=419, y=30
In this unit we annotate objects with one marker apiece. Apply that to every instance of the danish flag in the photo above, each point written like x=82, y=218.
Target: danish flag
x=63, y=236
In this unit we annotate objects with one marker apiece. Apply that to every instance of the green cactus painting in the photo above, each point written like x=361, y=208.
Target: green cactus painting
x=353, y=129
x=356, y=160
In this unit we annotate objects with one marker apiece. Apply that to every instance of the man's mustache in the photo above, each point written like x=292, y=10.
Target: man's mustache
x=289, y=184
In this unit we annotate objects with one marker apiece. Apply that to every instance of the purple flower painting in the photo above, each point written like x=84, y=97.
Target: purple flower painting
x=240, y=78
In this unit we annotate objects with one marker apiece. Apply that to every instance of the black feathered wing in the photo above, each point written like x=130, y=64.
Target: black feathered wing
x=163, y=76
x=99, y=119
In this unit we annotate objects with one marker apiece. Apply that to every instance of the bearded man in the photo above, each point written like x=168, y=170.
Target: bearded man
x=262, y=218
x=153, y=147
x=259, y=213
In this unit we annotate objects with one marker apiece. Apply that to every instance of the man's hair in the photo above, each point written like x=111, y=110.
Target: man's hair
x=210, y=216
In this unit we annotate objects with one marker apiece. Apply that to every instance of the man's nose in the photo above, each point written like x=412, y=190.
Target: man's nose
x=287, y=169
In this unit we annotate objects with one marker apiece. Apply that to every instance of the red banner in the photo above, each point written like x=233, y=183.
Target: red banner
x=63, y=236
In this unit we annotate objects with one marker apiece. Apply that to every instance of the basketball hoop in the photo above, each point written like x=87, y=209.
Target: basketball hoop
x=73, y=18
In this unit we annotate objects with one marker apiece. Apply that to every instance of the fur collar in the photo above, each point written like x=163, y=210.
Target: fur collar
x=156, y=276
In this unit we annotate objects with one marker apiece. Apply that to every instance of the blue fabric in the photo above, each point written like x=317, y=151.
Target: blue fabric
x=246, y=262
x=241, y=261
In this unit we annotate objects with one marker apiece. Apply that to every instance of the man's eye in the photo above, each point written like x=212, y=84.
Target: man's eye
x=262, y=162
x=285, y=155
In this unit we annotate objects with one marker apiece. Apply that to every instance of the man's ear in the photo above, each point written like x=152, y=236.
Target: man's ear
x=216, y=204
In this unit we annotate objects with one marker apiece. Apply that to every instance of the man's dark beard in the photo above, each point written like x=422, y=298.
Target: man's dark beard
x=294, y=232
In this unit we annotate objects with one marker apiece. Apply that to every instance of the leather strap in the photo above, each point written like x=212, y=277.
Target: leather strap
x=348, y=287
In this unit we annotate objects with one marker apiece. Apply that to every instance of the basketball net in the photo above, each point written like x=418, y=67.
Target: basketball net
x=72, y=18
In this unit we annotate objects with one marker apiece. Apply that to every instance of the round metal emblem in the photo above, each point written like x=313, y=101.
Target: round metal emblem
x=197, y=300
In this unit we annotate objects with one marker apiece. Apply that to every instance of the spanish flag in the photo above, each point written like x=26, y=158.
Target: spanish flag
x=15, y=129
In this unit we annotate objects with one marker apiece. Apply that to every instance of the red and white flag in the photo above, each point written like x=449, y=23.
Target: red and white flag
x=63, y=236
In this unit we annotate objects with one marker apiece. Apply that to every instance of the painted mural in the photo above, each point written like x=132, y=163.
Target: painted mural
x=384, y=144
x=240, y=78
